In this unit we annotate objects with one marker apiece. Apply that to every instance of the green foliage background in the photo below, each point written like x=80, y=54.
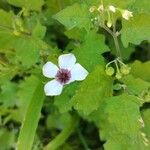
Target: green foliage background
x=95, y=114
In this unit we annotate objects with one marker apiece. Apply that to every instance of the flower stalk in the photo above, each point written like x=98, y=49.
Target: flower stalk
x=63, y=136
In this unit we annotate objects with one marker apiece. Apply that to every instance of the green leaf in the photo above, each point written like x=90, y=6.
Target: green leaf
x=39, y=31
x=10, y=136
x=141, y=70
x=4, y=5
x=64, y=102
x=27, y=4
x=30, y=122
x=135, y=86
x=27, y=52
x=93, y=91
x=24, y=47
x=120, y=125
x=19, y=96
x=8, y=94
x=25, y=93
x=146, y=119
x=116, y=3
x=6, y=18
x=76, y=15
x=76, y=34
x=139, y=26
x=140, y=7
x=89, y=52
x=125, y=142
x=58, y=121
x=7, y=72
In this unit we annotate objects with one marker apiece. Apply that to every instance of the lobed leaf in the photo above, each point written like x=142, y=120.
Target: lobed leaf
x=8, y=96
x=93, y=91
x=141, y=70
x=64, y=102
x=120, y=125
x=76, y=15
x=135, y=86
x=136, y=29
x=89, y=52
x=28, y=4
x=146, y=119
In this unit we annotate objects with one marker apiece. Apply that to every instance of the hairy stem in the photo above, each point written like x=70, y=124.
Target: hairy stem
x=63, y=136
x=117, y=46
x=115, y=37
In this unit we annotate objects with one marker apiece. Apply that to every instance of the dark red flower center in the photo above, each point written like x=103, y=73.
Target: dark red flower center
x=63, y=76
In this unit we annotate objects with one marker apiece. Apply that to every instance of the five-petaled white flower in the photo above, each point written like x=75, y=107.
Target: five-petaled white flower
x=127, y=14
x=68, y=71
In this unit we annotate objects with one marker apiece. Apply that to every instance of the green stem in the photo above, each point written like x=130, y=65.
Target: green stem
x=117, y=66
x=110, y=63
x=121, y=62
x=116, y=39
x=117, y=46
x=63, y=136
x=113, y=34
x=82, y=140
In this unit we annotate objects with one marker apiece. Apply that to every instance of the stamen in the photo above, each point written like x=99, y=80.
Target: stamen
x=63, y=76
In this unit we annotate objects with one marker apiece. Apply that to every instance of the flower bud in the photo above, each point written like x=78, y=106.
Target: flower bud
x=109, y=24
x=127, y=14
x=110, y=71
x=112, y=8
x=125, y=70
x=118, y=75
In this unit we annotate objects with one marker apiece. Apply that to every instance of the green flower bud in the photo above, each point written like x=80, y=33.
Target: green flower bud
x=110, y=71
x=125, y=70
x=118, y=75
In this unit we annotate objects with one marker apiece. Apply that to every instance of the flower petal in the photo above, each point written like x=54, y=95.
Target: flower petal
x=53, y=88
x=112, y=8
x=66, y=61
x=127, y=14
x=78, y=72
x=50, y=70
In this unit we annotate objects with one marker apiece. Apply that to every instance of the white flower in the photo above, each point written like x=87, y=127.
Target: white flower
x=109, y=24
x=67, y=72
x=127, y=14
x=112, y=8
